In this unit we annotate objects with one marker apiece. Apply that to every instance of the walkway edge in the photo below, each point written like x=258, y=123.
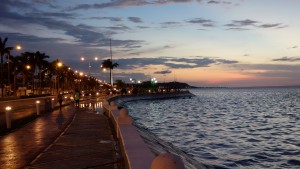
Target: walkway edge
x=135, y=151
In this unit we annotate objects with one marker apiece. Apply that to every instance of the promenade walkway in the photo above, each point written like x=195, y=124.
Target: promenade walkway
x=71, y=138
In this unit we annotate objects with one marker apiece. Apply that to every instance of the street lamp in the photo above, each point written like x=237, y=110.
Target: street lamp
x=28, y=67
x=18, y=47
x=153, y=82
x=109, y=64
x=81, y=74
x=59, y=64
x=83, y=59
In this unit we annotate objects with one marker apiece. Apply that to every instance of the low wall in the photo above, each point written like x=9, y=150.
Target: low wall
x=135, y=151
x=122, y=99
x=24, y=110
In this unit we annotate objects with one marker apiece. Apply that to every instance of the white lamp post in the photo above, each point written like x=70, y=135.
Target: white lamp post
x=8, y=117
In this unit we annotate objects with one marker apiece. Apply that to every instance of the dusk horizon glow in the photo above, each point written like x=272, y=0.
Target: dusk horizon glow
x=205, y=43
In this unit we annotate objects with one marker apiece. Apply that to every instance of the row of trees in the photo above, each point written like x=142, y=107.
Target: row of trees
x=33, y=70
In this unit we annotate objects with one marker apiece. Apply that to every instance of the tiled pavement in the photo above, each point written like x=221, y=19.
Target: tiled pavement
x=71, y=138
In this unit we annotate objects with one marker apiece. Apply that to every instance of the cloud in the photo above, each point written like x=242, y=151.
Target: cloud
x=118, y=28
x=219, y=2
x=126, y=3
x=28, y=38
x=83, y=34
x=213, y=2
x=202, y=22
x=224, y=61
x=46, y=2
x=171, y=62
x=241, y=24
x=113, y=19
x=128, y=43
x=163, y=72
x=276, y=25
x=61, y=15
x=266, y=68
x=288, y=59
x=135, y=19
x=143, y=27
x=170, y=24
x=279, y=71
x=238, y=29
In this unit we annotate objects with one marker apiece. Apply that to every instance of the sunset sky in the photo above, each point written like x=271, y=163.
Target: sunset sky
x=232, y=43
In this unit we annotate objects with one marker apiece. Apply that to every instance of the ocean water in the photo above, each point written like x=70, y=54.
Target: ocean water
x=228, y=128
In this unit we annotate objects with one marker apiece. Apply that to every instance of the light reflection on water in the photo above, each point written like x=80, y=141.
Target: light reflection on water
x=232, y=128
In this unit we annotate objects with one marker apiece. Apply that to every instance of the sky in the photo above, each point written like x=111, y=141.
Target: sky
x=228, y=43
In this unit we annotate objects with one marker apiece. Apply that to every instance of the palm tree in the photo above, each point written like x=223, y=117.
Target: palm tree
x=25, y=61
x=41, y=64
x=57, y=69
x=3, y=50
x=70, y=78
x=16, y=64
x=109, y=64
x=29, y=58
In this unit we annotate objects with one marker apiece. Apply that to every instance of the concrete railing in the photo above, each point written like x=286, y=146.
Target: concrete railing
x=136, y=153
x=36, y=105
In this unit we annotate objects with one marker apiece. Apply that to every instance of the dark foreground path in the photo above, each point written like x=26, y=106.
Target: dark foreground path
x=71, y=138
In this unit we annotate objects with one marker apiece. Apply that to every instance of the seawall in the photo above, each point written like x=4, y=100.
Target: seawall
x=122, y=99
x=136, y=153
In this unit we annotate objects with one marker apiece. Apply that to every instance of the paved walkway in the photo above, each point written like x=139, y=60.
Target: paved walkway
x=71, y=138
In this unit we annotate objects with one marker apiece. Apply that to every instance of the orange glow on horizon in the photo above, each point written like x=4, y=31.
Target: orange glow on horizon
x=208, y=77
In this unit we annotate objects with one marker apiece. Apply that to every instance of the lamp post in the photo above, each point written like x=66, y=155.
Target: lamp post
x=59, y=64
x=153, y=82
x=111, y=78
x=38, y=107
x=8, y=117
x=18, y=47
x=28, y=67
x=80, y=75
x=83, y=59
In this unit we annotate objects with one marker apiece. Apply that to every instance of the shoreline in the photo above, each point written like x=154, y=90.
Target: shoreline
x=131, y=147
x=120, y=100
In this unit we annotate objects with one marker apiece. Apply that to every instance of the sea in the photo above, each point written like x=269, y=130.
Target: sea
x=225, y=127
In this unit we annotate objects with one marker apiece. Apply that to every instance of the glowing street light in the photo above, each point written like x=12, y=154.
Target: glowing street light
x=18, y=47
x=59, y=64
x=83, y=59
x=8, y=116
x=28, y=67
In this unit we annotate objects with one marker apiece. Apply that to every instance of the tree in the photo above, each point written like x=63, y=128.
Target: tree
x=3, y=50
x=57, y=69
x=109, y=64
x=41, y=64
x=25, y=66
x=16, y=64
